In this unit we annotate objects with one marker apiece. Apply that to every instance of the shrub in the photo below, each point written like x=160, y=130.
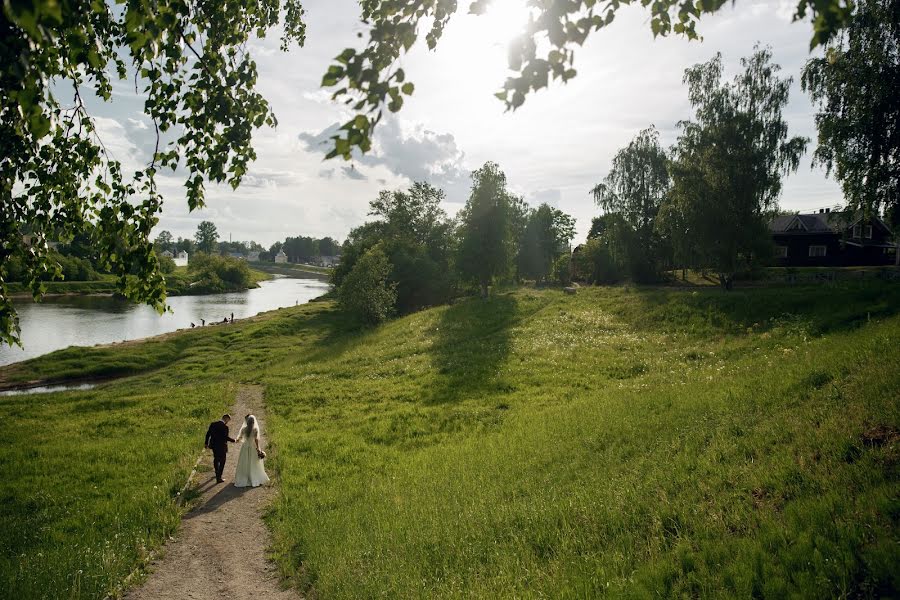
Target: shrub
x=562, y=270
x=365, y=292
x=166, y=265
x=210, y=273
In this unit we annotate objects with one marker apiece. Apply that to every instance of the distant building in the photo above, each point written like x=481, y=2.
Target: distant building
x=832, y=239
x=181, y=259
x=329, y=261
x=237, y=255
x=167, y=254
x=253, y=257
x=281, y=257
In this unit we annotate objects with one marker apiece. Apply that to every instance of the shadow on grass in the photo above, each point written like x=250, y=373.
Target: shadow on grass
x=818, y=309
x=472, y=342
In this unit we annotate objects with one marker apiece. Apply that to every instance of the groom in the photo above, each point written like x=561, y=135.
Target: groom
x=217, y=440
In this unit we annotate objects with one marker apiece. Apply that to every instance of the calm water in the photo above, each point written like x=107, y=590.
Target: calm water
x=67, y=321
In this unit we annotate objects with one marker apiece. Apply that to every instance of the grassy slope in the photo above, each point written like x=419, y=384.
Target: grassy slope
x=619, y=441
x=623, y=442
x=294, y=267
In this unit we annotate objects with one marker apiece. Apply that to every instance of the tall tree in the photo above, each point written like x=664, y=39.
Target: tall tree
x=164, y=241
x=635, y=188
x=730, y=159
x=855, y=87
x=487, y=244
x=328, y=246
x=207, y=237
x=547, y=235
x=416, y=237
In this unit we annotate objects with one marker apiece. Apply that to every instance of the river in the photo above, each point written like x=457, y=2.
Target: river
x=63, y=321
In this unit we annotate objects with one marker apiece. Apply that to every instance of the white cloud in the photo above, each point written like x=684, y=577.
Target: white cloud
x=137, y=123
x=409, y=151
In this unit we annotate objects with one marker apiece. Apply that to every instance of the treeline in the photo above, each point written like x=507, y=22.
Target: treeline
x=206, y=240
x=412, y=255
x=704, y=203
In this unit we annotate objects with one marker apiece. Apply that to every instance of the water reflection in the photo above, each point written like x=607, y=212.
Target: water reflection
x=59, y=322
x=46, y=389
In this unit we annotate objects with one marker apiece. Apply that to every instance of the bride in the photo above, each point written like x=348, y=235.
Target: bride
x=250, y=471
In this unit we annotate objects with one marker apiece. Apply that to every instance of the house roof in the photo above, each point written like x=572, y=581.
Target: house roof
x=821, y=222
x=814, y=223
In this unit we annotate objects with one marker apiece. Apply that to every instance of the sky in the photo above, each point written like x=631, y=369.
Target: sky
x=553, y=149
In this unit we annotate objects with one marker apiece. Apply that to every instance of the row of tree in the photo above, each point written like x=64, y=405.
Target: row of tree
x=206, y=240
x=706, y=201
x=412, y=255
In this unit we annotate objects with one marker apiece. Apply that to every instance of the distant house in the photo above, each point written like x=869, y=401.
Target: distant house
x=181, y=259
x=281, y=257
x=253, y=257
x=329, y=261
x=167, y=254
x=831, y=239
x=237, y=255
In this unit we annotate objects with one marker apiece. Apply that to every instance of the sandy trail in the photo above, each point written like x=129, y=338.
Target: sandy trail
x=219, y=551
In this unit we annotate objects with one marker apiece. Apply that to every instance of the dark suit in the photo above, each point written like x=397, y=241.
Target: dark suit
x=217, y=440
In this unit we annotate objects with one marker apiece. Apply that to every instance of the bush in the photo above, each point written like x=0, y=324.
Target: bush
x=210, y=273
x=166, y=265
x=562, y=270
x=595, y=263
x=365, y=292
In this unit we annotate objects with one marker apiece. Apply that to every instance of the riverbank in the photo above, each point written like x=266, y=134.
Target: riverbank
x=292, y=268
x=624, y=441
x=178, y=283
x=89, y=320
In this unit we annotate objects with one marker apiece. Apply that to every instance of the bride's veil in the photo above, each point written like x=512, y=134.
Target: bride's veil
x=250, y=428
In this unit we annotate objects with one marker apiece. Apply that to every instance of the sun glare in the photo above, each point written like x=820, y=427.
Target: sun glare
x=505, y=19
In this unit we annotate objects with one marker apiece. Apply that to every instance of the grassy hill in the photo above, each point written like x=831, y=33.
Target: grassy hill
x=621, y=442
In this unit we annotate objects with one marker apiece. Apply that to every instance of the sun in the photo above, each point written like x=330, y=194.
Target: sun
x=505, y=20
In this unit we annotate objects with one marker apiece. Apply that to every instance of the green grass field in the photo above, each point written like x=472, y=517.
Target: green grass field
x=620, y=442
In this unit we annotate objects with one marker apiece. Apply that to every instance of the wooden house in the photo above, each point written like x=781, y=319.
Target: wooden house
x=832, y=239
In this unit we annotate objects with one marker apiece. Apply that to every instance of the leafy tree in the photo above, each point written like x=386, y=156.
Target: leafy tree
x=547, y=234
x=207, y=237
x=211, y=273
x=855, y=86
x=486, y=241
x=370, y=80
x=366, y=291
x=57, y=58
x=593, y=262
x=730, y=160
x=562, y=269
x=166, y=265
x=635, y=188
x=185, y=245
x=328, y=247
x=164, y=241
x=417, y=238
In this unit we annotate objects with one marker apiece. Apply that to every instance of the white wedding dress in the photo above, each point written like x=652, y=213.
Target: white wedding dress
x=250, y=471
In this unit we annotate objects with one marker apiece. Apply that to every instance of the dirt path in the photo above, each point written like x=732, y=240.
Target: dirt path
x=220, y=549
